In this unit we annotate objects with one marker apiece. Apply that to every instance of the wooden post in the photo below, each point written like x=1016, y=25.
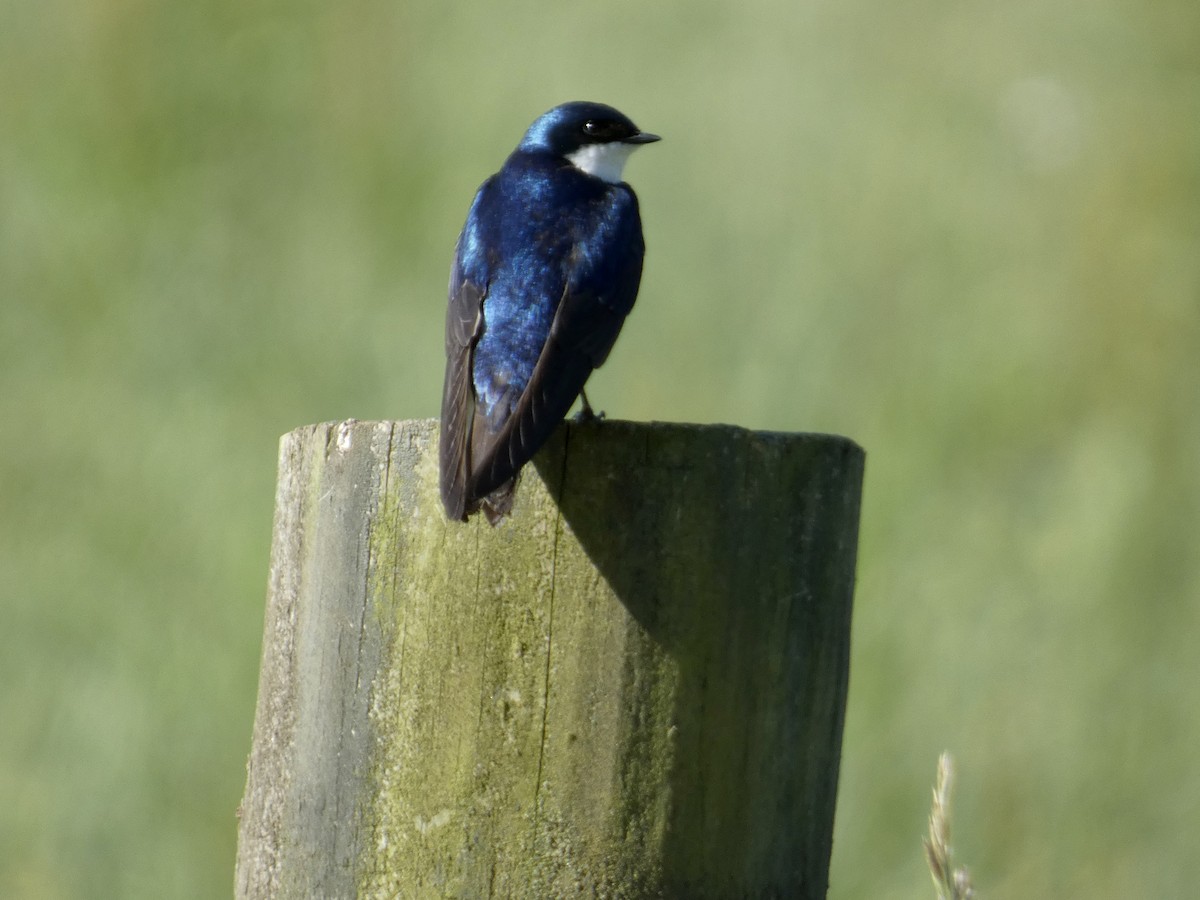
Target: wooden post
x=633, y=688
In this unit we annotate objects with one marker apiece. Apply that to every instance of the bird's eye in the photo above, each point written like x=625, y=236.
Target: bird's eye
x=592, y=127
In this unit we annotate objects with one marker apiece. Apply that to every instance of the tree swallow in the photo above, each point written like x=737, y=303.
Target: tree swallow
x=545, y=271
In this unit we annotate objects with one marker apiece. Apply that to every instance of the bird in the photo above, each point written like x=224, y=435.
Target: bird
x=545, y=270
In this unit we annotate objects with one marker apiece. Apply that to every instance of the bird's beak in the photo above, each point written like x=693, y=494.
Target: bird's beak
x=642, y=137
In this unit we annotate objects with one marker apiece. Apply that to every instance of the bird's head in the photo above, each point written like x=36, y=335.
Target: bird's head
x=594, y=138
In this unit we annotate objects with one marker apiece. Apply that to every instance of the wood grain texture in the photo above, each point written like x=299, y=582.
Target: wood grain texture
x=634, y=687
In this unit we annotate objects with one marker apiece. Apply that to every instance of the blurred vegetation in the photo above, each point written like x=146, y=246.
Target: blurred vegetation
x=966, y=235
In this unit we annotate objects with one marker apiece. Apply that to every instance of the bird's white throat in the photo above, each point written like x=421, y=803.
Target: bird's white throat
x=605, y=161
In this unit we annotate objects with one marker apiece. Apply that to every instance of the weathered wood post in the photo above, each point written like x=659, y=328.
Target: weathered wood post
x=634, y=688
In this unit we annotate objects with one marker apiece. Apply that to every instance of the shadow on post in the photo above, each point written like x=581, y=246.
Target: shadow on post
x=734, y=553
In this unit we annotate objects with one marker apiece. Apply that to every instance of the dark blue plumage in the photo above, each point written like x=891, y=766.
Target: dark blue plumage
x=545, y=271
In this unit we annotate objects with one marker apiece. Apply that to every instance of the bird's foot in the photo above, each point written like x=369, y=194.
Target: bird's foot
x=586, y=413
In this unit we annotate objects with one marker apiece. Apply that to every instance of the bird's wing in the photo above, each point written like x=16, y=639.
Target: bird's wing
x=503, y=443
x=464, y=324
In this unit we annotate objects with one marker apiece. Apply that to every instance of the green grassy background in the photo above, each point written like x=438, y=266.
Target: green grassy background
x=967, y=235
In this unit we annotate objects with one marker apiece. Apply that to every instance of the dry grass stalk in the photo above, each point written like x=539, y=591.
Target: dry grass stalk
x=951, y=883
